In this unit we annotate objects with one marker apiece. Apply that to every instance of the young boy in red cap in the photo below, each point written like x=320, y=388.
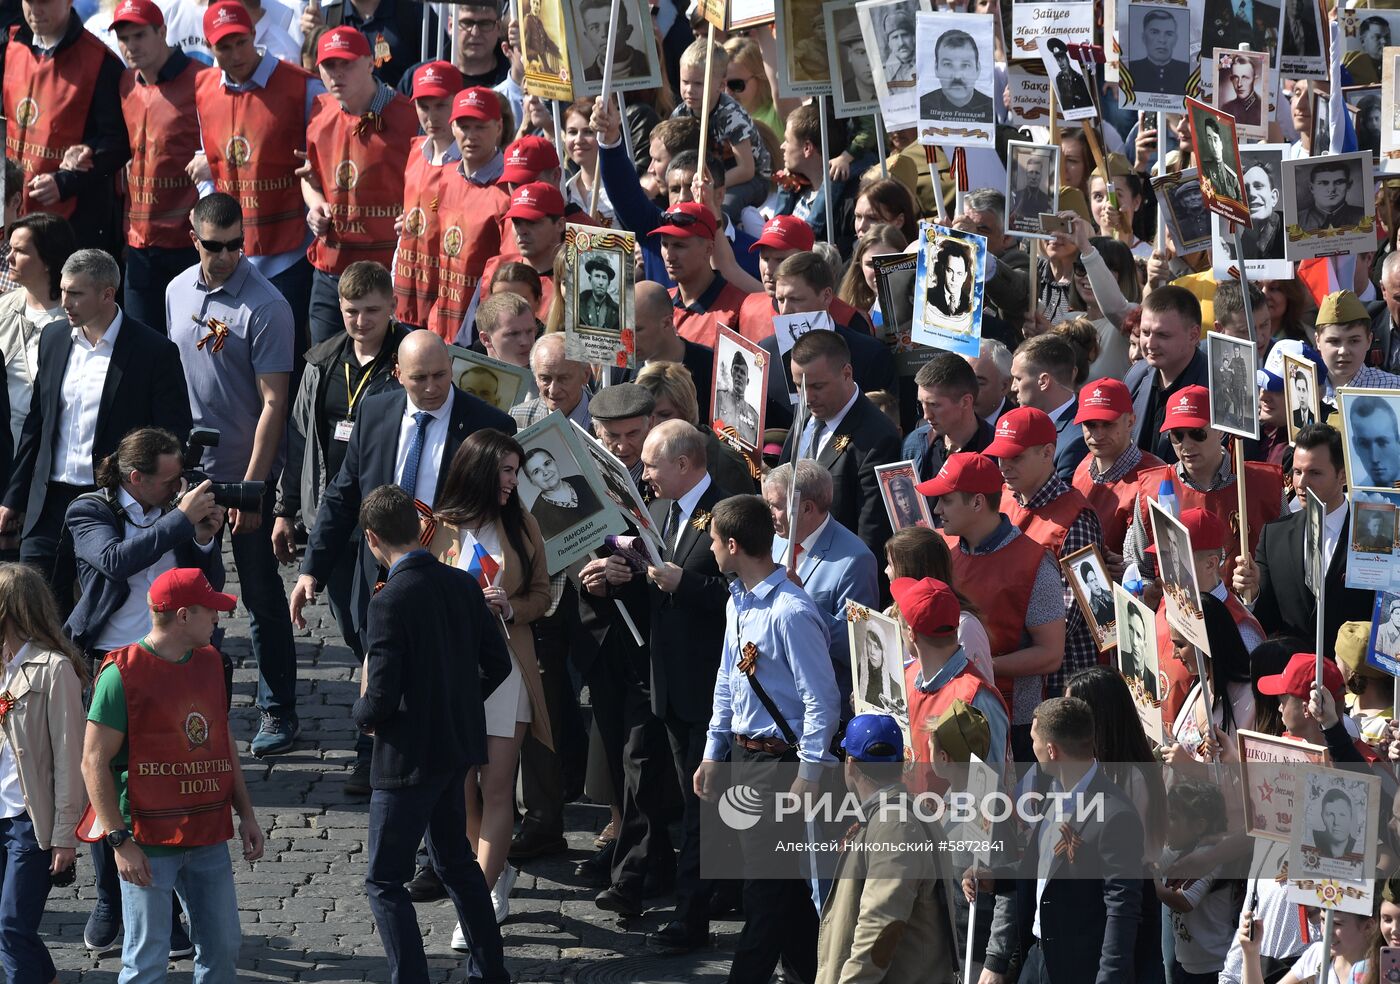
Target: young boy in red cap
x=1108, y=478
x=536, y=220
x=1312, y=716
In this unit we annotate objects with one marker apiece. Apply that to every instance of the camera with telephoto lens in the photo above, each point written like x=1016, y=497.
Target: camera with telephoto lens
x=244, y=496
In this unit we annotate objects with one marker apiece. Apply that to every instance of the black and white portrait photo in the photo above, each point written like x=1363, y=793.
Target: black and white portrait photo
x=956, y=78
x=951, y=278
x=1231, y=23
x=1093, y=589
x=1136, y=635
x=1300, y=394
x=1264, y=240
x=1334, y=831
x=877, y=667
x=597, y=298
x=1387, y=631
x=598, y=295
x=1032, y=185
x=948, y=289
x=1179, y=198
x=1372, y=438
x=1067, y=75
x=1176, y=571
x=562, y=489
x=1300, y=46
x=1216, y=147
x=804, y=63
x=1330, y=194
x=1242, y=89
x=1234, y=394
x=1366, y=33
x=498, y=383
x=1373, y=528
x=890, y=32
x=905, y=506
x=1364, y=104
x=741, y=379
x=852, y=81
x=635, y=63
x=1158, y=43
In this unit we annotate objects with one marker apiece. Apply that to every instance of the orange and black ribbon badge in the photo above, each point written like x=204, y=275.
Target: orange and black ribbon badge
x=748, y=659
x=378, y=586
x=218, y=334
x=427, y=522
x=7, y=703
x=1070, y=842
x=367, y=122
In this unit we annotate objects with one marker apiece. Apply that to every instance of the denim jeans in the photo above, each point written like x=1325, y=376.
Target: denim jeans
x=24, y=889
x=294, y=283
x=203, y=879
x=262, y=594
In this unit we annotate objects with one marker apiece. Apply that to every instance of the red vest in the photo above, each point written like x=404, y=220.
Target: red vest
x=251, y=139
x=164, y=133
x=1263, y=485
x=46, y=104
x=471, y=217
x=1177, y=677
x=546, y=281
x=926, y=708
x=416, y=259
x=1049, y=524
x=1113, y=501
x=756, y=316
x=179, y=763
x=360, y=166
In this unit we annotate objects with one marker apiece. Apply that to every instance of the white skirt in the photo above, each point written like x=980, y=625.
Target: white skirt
x=509, y=705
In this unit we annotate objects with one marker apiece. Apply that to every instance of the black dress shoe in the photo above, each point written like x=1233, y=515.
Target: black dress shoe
x=725, y=897
x=535, y=843
x=659, y=883
x=677, y=937
x=597, y=870
x=426, y=886
x=612, y=900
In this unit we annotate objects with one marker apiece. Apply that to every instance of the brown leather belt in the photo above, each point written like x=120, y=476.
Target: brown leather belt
x=771, y=745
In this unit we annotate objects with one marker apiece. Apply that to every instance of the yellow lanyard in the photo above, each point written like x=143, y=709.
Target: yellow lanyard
x=352, y=396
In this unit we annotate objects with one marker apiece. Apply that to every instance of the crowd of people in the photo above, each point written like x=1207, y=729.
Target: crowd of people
x=242, y=242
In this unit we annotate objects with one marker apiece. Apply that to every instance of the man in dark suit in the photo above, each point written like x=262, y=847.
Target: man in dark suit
x=1042, y=376
x=433, y=655
x=957, y=63
x=688, y=597
x=100, y=375
x=1172, y=360
x=1159, y=72
x=1284, y=604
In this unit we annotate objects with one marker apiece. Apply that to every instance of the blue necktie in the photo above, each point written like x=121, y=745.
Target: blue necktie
x=409, y=479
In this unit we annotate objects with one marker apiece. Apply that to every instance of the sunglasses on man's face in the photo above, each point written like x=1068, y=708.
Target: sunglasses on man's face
x=1179, y=434
x=736, y=85
x=215, y=246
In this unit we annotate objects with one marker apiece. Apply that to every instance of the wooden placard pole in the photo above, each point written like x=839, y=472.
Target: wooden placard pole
x=1240, y=496
x=826, y=169
x=880, y=144
x=610, y=49
x=1161, y=172
x=451, y=28
x=705, y=104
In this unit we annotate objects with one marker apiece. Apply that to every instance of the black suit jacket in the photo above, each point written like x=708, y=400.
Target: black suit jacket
x=369, y=463
x=435, y=653
x=1285, y=604
x=872, y=364
x=145, y=387
x=1142, y=384
x=687, y=625
x=1070, y=448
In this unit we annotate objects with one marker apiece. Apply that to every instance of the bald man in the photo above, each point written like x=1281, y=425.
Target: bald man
x=657, y=341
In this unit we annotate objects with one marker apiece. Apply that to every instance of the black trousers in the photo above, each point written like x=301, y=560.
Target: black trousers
x=548, y=776
x=48, y=549
x=687, y=740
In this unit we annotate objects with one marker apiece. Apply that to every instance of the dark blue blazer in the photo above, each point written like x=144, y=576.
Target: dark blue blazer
x=369, y=463
x=1142, y=381
x=1070, y=448
x=872, y=364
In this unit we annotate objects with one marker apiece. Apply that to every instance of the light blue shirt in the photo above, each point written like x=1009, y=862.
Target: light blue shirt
x=793, y=667
x=991, y=708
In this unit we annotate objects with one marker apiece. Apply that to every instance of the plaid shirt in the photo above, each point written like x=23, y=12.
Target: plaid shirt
x=1126, y=462
x=7, y=277
x=1368, y=377
x=1081, y=651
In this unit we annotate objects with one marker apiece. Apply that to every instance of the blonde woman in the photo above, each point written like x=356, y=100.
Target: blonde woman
x=41, y=780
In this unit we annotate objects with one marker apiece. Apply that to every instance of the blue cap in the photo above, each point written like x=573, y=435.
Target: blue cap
x=874, y=738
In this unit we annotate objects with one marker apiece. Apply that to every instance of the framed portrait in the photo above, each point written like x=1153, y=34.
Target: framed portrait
x=905, y=506
x=1384, y=650
x=1300, y=394
x=561, y=487
x=1328, y=205
x=955, y=80
x=948, y=289
x=1215, y=146
x=1032, y=20
x=1366, y=33
x=744, y=14
x=1179, y=199
x=636, y=64
x=598, y=296
x=1032, y=185
x=1242, y=80
x=1234, y=395
x=1176, y=570
x=787, y=329
x=619, y=489
x=1268, y=773
x=1333, y=838
x=852, y=78
x=1155, y=64
x=1321, y=133
x=1314, y=545
x=498, y=383
x=890, y=28
x=1303, y=41
x=1372, y=437
x=1263, y=242
x=1390, y=110
x=804, y=64
x=544, y=47
x=1074, y=98
x=1231, y=23
x=1135, y=633
x=738, y=392
x=1363, y=102
x=895, y=274
x=877, y=665
x=1373, y=527
x=1093, y=590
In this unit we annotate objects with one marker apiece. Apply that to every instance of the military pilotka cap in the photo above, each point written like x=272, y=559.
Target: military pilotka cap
x=1341, y=308
x=850, y=33
x=1353, y=639
x=962, y=732
x=1117, y=165
x=621, y=401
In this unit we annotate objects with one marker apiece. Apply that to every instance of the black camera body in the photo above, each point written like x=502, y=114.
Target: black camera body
x=243, y=496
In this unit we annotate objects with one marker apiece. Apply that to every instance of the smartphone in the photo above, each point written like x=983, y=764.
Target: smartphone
x=1051, y=224
x=1390, y=965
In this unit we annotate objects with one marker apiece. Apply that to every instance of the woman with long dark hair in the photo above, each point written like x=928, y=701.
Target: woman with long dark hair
x=483, y=529
x=1231, y=692
x=40, y=243
x=919, y=552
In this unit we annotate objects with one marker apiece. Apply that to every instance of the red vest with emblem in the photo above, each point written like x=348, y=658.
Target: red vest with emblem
x=164, y=133
x=1113, y=501
x=1263, y=486
x=360, y=164
x=251, y=139
x=471, y=218
x=756, y=316
x=1178, y=679
x=46, y=104
x=179, y=763
x=1000, y=585
x=416, y=259
x=1049, y=524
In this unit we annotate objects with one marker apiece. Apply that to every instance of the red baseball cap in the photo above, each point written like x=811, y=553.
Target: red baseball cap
x=1190, y=407
x=138, y=12
x=183, y=587
x=1206, y=529
x=341, y=44
x=1299, y=675
x=965, y=471
x=687, y=219
x=476, y=103
x=1103, y=399
x=528, y=158
x=1019, y=429
x=224, y=18
x=536, y=200
x=436, y=78
x=785, y=232
x=928, y=605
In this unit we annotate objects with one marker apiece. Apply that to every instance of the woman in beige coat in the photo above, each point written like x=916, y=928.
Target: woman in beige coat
x=41, y=780
x=482, y=528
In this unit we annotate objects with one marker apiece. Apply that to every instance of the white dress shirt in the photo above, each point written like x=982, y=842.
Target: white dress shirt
x=805, y=558
x=1049, y=833
x=11, y=793
x=688, y=502
x=434, y=442
x=78, y=402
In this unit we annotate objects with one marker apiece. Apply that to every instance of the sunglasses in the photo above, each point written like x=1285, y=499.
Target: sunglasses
x=215, y=246
x=1079, y=270
x=1179, y=434
x=736, y=85
x=682, y=219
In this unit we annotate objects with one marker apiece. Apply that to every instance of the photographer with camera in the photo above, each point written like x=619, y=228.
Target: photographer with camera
x=135, y=527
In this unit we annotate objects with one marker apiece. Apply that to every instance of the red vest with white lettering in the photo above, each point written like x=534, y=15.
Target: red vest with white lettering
x=179, y=763
x=360, y=164
x=46, y=104
x=926, y=708
x=1178, y=679
x=471, y=217
x=1113, y=501
x=416, y=259
x=164, y=133
x=1049, y=524
x=1263, y=487
x=251, y=139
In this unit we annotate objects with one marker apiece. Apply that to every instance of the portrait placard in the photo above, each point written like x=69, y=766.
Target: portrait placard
x=1138, y=660
x=1366, y=33
x=804, y=64
x=877, y=665
x=1032, y=185
x=1314, y=544
x=1363, y=102
x=544, y=47
x=744, y=14
x=1372, y=432
x=948, y=291
x=1390, y=110
x=1231, y=23
x=852, y=78
x=1179, y=199
x=890, y=31
x=1234, y=394
x=738, y=390
x=1089, y=580
x=955, y=80
x=1268, y=770
x=1328, y=205
x=1030, y=94
x=1300, y=394
x=636, y=64
x=1264, y=258
x=905, y=506
x=787, y=329
x=1242, y=81
x=1302, y=50
x=1215, y=146
x=1032, y=20
x=562, y=488
x=498, y=383
x=1156, y=62
x=1332, y=839
x=1176, y=570
x=1073, y=90
x=895, y=275
x=1383, y=650
x=619, y=488
x=598, y=296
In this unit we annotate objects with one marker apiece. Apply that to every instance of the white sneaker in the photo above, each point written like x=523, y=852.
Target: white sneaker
x=500, y=895
x=459, y=939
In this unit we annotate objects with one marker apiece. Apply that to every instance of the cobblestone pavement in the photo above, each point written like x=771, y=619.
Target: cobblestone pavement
x=303, y=907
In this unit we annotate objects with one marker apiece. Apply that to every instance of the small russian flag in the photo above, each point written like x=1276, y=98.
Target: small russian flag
x=483, y=566
x=89, y=830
